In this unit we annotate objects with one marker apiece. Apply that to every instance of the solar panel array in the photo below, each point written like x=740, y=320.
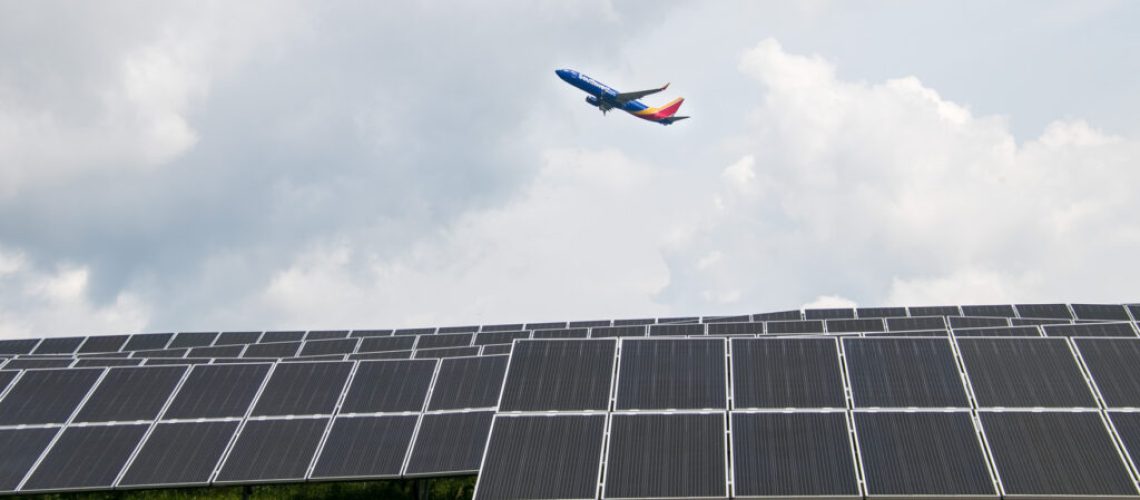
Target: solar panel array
x=1022, y=400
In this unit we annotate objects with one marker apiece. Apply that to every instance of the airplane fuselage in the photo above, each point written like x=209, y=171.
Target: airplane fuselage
x=605, y=98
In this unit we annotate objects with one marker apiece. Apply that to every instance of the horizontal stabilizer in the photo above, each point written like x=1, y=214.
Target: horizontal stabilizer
x=671, y=119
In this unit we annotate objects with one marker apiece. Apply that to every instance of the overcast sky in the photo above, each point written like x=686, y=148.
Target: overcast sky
x=258, y=165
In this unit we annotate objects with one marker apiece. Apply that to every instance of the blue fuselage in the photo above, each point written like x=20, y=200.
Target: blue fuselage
x=600, y=91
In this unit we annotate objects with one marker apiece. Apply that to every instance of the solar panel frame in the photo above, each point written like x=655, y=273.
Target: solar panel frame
x=47, y=396
x=498, y=338
x=326, y=335
x=1111, y=364
x=381, y=355
x=445, y=340
x=103, y=343
x=467, y=383
x=794, y=327
x=272, y=350
x=328, y=347
x=192, y=339
x=221, y=351
x=22, y=450
x=927, y=377
x=366, y=334
x=545, y=326
x=372, y=447
x=147, y=341
x=382, y=344
x=917, y=323
x=906, y=454
x=179, y=454
x=459, y=329
x=571, y=365
x=934, y=311
x=83, y=458
x=1072, y=453
x=566, y=465
x=237, y=338
x=779, y=316
x=810, y=377
x=680, y=329
x=388, y=386
x=880, y=312
x=619, y=331
x=267, y=443
x=792, y=466
x=502, y=327
x=37, y=363
x=566, y=333
x=131, y=394
x=302, y=388
x=18, y=346
x=218, y=391
x=59, y=345
x=446, y=352
x=661, y=467
x=281, y=336
x=672, y=373
x=977, y=322
x=1024, y=373
x=855, y=325
x=1125, y=330
x=1059, y=311
x=491, y=350
x=999, y=331
x=449, y=444
x=726, y=329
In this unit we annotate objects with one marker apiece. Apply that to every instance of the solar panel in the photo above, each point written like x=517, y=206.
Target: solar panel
x=22, y=346
x=903, y=373
x=32, y=363
x=381, y=355
x=559, y=375
x=792, y=455
x=567, y=333
x=131, y=393
x=237, y=338
x=147, y=341
x=303, y=388
x=1038, y=321
x=449, y=443
x=496, y=349
x=468, y=383
x=281, y=337
x=854, y=325
x=880, y=312
x=618, y=331
x=502, y=328
x=727, y=319
x=588, y=324
x=687, y=319
x=327, y=347
x=974, y=322
x=1024, y=373
x=934, y=311
x=370, y=333
x=180, y=454
x=783, y=327
x=925, y=323
x=1127, y=425
x=658, y=374
x=926, y=453
x=216, y=391
x=46, y=396
x=1044, y=311
x=447, y=340
x=1091, y=330
x=682, y=329
x=161, y=353
x=459, y=329
x=192, y=339
x=1063, y=453
x=777, y=316
x=365, y=447
x=106, y=362
x=829, y=313
x=542, y=457
x=446, y=352
x=104, y=343
x=988, y=310
x=545, y=326
x=666, y=456
x=414, y=331
x=225, y=351
x=273, y=450
x=1113, y=364
x=487, y=338
x=272, y=350
x=21, y=448
x=86, y=457
x=379, y=344
x=999, y=331
x=634, y=322
x=66, y=345
x=736, y=328
x=787, y=373
x=388, y=386
x=326, y=334
x=909, y=333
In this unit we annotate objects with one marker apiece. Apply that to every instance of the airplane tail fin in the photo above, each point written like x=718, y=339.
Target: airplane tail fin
x=671, y=109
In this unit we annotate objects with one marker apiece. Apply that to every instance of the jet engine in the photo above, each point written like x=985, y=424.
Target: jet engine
x=591, y=100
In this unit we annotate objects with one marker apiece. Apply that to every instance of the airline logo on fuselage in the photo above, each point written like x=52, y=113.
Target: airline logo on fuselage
x=594, y=82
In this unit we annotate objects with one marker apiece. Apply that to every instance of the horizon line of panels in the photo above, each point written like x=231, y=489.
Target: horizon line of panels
x=1010, y=315
x=933, y=325
x=130, y=427
x=651, y=457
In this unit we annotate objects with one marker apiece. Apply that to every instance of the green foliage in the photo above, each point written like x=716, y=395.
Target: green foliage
x=404, y=489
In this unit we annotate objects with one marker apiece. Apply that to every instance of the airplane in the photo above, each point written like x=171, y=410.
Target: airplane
x=605, y=98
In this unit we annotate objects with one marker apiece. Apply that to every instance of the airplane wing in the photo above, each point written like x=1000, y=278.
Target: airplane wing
x=625, y=97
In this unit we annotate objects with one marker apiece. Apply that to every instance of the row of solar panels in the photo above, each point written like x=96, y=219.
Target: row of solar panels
x=215, y=345
x=88, y=428
x=690, y=418
x=807, y=321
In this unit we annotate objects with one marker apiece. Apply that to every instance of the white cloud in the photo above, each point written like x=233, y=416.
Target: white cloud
x=828, y=302
x=36, y=303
